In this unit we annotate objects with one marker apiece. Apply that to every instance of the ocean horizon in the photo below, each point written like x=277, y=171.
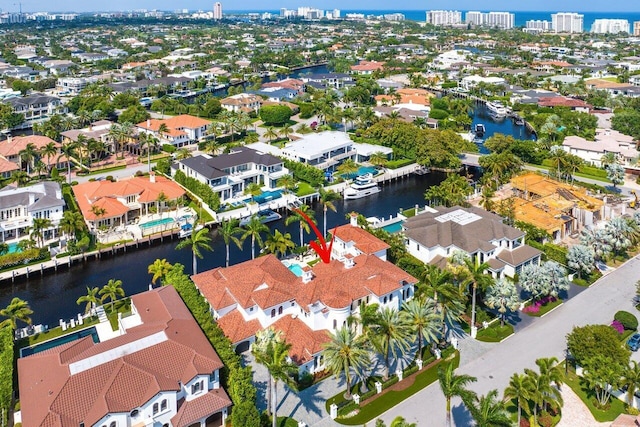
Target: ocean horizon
x=521, y=17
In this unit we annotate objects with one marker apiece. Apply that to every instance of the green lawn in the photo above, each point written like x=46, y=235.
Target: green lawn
x=203, y=214
x=304, y=189
x=409, y=212
x=54, y=333
x=546, y=308
x=120, y=306
x=616, y=406
x=580, y=174
x=495, y=332
x=375, y=407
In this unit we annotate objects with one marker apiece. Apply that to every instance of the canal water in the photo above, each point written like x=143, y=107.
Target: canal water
x=504, y=125
x=53, y=296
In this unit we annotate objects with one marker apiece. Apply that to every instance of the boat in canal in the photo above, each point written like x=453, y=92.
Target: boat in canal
x=362, y=186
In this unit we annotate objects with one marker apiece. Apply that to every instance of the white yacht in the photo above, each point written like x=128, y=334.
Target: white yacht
x=497, y=109
x=265, y=216
x=363, y=186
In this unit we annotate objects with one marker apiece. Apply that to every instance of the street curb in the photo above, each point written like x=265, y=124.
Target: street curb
x=552, y=310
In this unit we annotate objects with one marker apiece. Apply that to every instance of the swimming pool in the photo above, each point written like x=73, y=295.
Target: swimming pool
x=13, y=248
x=267, y=196
x=156, y=222
x=27, y=351
x=393, y=228
x=295, y=269
x=363, y=170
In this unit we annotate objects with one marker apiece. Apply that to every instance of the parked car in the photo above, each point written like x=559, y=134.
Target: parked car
x=634, y=342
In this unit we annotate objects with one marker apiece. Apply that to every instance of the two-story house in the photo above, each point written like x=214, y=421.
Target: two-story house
x=11, y=148
x=242, y=102
x=624, y=147
x=98, y=131
x=106, y=203
x=329, y=80
x=304, y=302
x=180, y=130
x=435, y=235
x=324, y=150
x=160, y=371
x=19, y=206
x=229, y=174
x=36, y=107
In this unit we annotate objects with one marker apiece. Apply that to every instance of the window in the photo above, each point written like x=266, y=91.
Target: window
x=134, y=413
x=280, y=310
x=163, y=405
x=385, y=300
x=335, y=323
x=155, y=408
x=113, y=424
x=273, y=313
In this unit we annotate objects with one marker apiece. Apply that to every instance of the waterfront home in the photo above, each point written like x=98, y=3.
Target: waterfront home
x=304, y=302
x=322, y=150
x=572, y=104
x=36, y=107
x=365, y=68
x=229, y=174
x=159, y=369
x=435, y=235
x=624, y=147
x=473, y=81
x=242, y=102
x=181, y=130
x=557, y=208
x=419, y=98
x=19, y=206
x=11, y=148
x=110, y=204
x=74, y=85
x=97, y=130
x=328, y=80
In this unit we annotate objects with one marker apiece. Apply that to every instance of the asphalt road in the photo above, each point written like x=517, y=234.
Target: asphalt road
x=543, y=338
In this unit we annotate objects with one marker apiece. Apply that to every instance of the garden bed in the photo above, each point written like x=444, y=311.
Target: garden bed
x=495, y=332
x=541, y=307
x=615, y=406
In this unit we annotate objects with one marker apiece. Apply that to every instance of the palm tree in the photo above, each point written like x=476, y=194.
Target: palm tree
x=111, y=291
x=228, y=230
x=197, y=241
x=148, y=142
x=421, y=315
x=348, y=168
x=159, y=269
x=488, y=411
x=71, y=222
x=48, y=151
x=391, y=335
x=346, y=351
x=271, y=350
x=447, y=297
x=631, y=380
x=297, y=217
x=270, y=133
x=16, y=310
x=288, y=182
x=453, y=385
x=285, y=131
x=326, y=200
x=28, y=155
x=19, y=177
x=183, y=153
x=90, y=299
x=68, y=150
x=278, y=243
x=517, y=390
x=378, y=158
x=478, y=278
x=541, y=393
x=254, y=229
x=252, y=189
x=38, y=228
x=160, y=201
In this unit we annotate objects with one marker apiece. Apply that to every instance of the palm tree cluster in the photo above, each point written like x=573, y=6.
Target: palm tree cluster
x=618, y=235
x=109, y=292
x=536, y=393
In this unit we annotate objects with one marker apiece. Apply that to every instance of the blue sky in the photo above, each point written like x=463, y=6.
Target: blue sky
x=463, y=5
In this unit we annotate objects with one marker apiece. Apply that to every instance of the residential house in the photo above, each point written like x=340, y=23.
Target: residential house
x=418, y=98
x=91, y=56
x=365, y=68
x=559, y=209
x=19, y=206
x=304, y=302
x=242, y=102
x=560, y=101
x=328, y=80
x=624, y=147
x=408, y=115
x=97, y=130
x=229, y=174
x=181, y=130
x=436, y=234
x=110, y=204
x=11, y=148
x=36, y=107
x=73, y=85
x=473, y=81
x=324, y=150
x=160, y=370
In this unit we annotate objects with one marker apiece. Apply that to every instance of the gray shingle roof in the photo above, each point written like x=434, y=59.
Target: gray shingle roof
x=214, y=167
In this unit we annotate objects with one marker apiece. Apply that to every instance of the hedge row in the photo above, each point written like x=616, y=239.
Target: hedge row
x=6, y=373
x=20, y=258
x=236, y=378
x=199, y=189
x=305, y=173
x=551, y=251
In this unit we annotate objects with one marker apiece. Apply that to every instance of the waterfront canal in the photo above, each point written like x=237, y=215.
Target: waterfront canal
x=53, y=296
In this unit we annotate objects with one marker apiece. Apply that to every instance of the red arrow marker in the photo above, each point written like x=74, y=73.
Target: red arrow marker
x=321, y=249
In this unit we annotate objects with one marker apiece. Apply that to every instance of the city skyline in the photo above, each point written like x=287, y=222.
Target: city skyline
x=255, y=5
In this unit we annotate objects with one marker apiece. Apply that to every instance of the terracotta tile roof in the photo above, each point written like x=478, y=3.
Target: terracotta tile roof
x=105, y=193
x=193, y=410
x=120, y=381
x=15, y=145
x=368, y=66
x=304, y=341
x=183, y=121
x=364, y=241
x=7, y=166
x=236, y=328
x=561, y=101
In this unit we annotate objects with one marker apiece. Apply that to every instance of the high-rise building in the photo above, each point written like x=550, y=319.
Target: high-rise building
x=542, y=25
x=636, y=28
x=612, y=26
x=217, y=10
x=444, y=17
x=474, y=18
x=567, y=22
x=502, y=20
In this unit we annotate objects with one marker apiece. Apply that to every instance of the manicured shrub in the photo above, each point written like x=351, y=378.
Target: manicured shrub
x=306, y=173
x=168, y=148
x=628, y=320
x=200, y=189
x=617, y=326
x=6, y=373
